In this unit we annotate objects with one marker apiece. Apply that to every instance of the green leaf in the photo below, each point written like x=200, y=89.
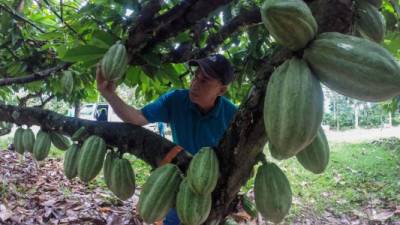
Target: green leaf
x=104, y=38
x=84, y=53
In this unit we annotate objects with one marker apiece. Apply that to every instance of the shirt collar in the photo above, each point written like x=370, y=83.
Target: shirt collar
x=214, y=111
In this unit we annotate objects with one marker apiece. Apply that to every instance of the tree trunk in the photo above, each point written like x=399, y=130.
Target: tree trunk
x=356, y=116
x=77, y=107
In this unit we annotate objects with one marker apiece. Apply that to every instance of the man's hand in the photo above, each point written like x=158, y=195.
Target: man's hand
x=105, y=87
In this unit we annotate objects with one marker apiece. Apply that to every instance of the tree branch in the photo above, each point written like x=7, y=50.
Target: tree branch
x=19, y=17
x=129, y=138
x=41, y=75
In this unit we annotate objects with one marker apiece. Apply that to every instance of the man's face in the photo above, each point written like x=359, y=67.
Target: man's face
x=205, y=89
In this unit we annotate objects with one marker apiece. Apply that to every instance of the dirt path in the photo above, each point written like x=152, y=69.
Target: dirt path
x=361, y=135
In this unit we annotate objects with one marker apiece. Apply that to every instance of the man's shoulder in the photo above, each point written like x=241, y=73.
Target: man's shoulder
x=228, y=103
x=177, y=94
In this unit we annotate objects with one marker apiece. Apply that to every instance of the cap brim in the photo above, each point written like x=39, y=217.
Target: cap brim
x=204, y=67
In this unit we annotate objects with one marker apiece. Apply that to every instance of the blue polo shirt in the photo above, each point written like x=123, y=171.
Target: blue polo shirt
x=190, y=128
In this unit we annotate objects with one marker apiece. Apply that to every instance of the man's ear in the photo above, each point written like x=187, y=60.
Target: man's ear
x=224, y=88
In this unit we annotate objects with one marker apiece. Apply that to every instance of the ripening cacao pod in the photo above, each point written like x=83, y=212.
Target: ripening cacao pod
x=293, y=108
x=28, y=140
x=91, y=158
x=272, y=192
x=203, y=172
x=370, y=23
x=315, y=157
x=249, y=206
x=59, y=141
x=122, y=179
x=114, y=62
x=192, y=209
x=42, y=145
x=67, y=82
x=289, y=22
x=159, y=192
x=79, y=134
x=18, y=140
x=71, y=160
x=354, y=67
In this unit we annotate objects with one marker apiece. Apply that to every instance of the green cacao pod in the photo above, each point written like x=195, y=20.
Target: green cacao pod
x=192, y=209
x=91, y=158
x=107, y=167
x=42, y=145
x=272, y=191
x=370, y=23
x=122, y=179
x=203, y=171
x=249, y=206
x=18, y=140
x=67, y=82
x=79, y=134
x=28, y=140
x=354, y=67
x=315, y=157
x=289, y=22
x=59, y=141
x=71, y=159
x=293, y=108
x=114, y=62
x=159, y=193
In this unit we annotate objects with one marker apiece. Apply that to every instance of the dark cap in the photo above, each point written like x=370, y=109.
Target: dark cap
x=216, y=66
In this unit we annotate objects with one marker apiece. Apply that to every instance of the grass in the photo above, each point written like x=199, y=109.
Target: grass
x=357, y=175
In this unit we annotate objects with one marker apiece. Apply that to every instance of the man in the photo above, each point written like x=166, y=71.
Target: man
x=198, y=117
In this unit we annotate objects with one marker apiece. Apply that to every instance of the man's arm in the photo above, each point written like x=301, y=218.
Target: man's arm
x=125, y=112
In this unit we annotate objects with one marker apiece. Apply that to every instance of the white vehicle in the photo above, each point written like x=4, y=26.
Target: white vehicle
x=104, y=112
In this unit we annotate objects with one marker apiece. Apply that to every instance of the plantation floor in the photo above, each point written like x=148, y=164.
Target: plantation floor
x=360, y=186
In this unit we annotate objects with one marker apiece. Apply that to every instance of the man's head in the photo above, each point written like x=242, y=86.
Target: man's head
x=211, y=79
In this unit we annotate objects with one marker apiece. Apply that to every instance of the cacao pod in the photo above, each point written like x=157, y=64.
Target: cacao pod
x=315, y=157
x=42, y=145
x=159, y=192
x=114, y=62
x=18, y=140
x=59, y=141
x=122, y=179
x=272, y=191
x=107, y=167
x=67, y=82
x=71, y=160
x=192, y=209
x=293, y=108
x=289, y=22
x=354, y=67
x=370, y=23
x=28, y=140
x=91, y=158
x=249, y=206
x=79, y=134
x=203, y=172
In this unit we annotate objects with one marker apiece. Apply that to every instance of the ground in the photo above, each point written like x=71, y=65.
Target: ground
x=361, y=186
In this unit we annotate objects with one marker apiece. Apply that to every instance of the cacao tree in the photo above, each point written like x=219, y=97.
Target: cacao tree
x=49, y=51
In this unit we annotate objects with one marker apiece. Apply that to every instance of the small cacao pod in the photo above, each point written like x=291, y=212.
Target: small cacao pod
x=42, y=145
x=18, y=140
x=203, y=172
x=114, y=62
x=192, y=209
x=28, y=140
x=273, y=195
x=91, y=158
x=71, y=159
x=289, y=22
x=60, y=141
x=159, y=192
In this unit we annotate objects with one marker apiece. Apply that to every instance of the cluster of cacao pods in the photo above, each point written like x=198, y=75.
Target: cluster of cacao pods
x=25, y=141
x=293, y=107
x=86, y=159
x=191, y=195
